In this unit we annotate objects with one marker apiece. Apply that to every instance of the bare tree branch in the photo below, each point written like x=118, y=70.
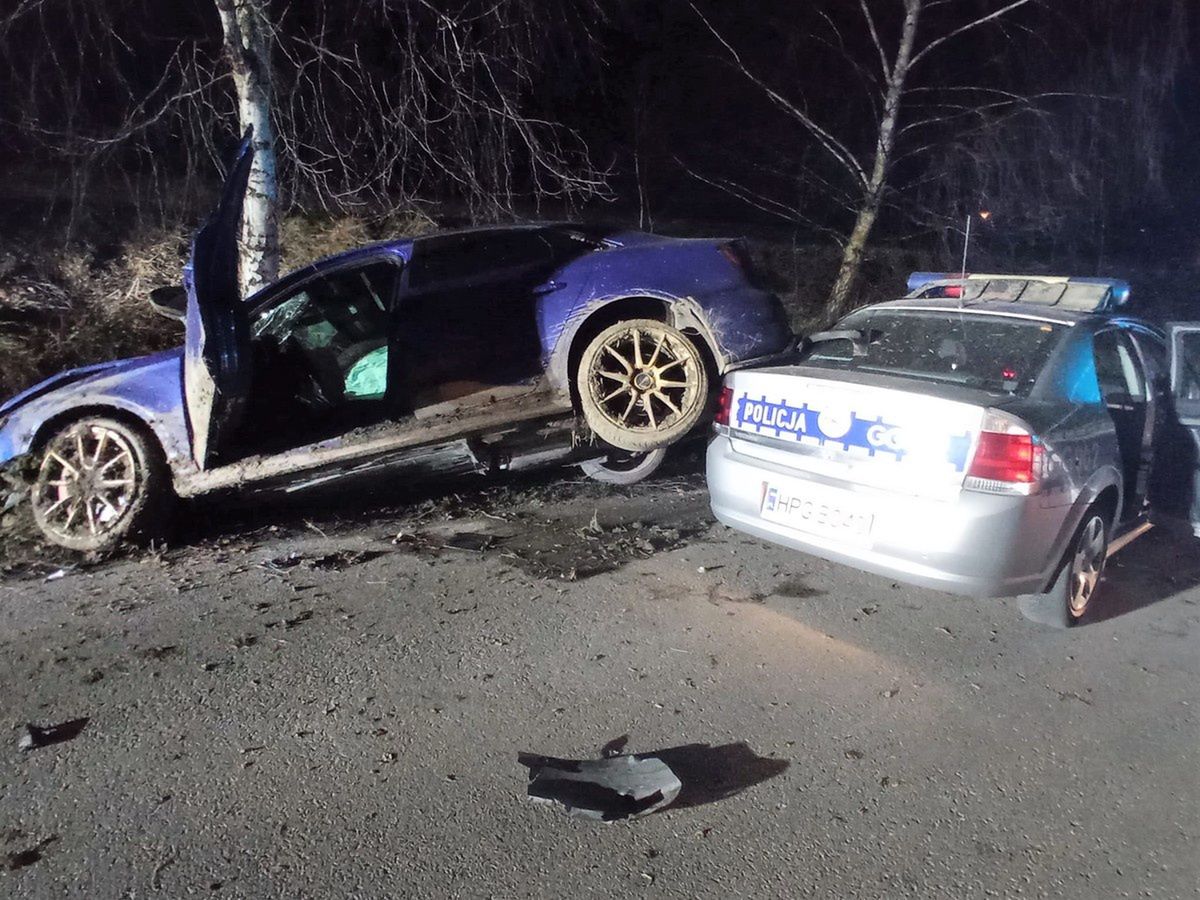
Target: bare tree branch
x=836, y=148
x=982, y=20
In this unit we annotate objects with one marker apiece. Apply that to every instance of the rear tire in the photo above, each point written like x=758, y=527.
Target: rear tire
x=623, y=467
x=642, y=385
x=101, y=482
x=1072, y=597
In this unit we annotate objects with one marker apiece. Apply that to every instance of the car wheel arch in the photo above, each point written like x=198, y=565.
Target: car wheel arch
x=1109, y=501
x=1104, y=491
x=670, y=310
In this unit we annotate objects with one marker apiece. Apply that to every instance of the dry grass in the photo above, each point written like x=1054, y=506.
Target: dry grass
x=73, y=307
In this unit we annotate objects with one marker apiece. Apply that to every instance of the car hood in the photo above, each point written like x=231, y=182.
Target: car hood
x=83, y=375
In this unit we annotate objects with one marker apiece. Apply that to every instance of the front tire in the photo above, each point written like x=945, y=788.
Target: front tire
x=100, y=482
x=642, y=385
x=1071, y=599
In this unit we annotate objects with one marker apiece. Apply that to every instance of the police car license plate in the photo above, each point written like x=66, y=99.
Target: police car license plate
x=817, y=509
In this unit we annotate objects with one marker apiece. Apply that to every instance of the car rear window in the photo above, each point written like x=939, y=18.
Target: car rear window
x=996, y=353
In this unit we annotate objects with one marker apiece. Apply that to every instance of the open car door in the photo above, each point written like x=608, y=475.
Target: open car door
x=1177, y=451
x=216, y=361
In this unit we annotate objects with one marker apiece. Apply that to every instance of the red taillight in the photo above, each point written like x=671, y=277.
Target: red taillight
x=1010, y=458
x=724, y=403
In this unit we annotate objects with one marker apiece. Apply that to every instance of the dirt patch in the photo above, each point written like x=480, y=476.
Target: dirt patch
x=566, y=531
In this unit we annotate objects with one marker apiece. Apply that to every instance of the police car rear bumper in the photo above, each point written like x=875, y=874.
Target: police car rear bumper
x=979, y=545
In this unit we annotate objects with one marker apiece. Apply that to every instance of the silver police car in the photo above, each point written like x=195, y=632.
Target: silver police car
x=989, y=435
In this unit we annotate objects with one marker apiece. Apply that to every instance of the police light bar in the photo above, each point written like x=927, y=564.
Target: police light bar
x=1096, y=293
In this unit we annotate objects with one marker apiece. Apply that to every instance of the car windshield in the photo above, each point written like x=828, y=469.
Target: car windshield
x=997, y=353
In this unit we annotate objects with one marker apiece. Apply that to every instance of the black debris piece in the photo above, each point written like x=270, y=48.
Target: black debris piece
x=35, y=736
x=19, y=859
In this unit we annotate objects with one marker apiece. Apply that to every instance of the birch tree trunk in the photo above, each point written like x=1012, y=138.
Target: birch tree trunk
x=245, y=27
x=840, y=301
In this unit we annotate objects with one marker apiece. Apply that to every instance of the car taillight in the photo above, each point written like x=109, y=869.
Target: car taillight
x=1008, y=457
x=1004, y=457
x=724, y=404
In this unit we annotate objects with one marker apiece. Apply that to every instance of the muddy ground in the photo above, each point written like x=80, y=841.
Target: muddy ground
x=327, y=699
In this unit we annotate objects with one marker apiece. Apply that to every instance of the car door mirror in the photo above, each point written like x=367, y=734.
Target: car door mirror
x=170, y=302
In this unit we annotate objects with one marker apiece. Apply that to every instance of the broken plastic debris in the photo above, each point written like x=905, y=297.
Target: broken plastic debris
x=34, y=736
x=616, y=787
x=625, y=785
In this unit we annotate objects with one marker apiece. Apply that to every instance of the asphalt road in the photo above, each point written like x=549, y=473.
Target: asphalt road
x=329, y=702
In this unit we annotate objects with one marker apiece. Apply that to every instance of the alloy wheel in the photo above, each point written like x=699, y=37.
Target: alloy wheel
x=644, y=379
x=1086, y=565
x=87, y=482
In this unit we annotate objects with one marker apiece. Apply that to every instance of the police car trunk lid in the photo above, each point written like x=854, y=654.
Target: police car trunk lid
x=867, y=431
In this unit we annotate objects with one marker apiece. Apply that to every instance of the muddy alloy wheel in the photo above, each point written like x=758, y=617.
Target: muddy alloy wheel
x=98, y=483
x=642, y=385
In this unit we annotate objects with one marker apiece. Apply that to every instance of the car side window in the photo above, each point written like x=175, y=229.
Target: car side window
x=339, y=324
x=1117, y=368
x=438, y=261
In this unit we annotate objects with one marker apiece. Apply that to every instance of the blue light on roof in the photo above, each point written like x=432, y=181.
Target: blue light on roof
x=1120, y=289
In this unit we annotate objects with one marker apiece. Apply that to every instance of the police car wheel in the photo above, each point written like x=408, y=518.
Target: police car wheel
x=1071, y=598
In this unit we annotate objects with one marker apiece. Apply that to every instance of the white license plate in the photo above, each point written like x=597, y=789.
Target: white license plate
x=817, y=510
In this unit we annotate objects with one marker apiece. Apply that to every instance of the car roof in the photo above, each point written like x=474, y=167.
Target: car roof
x=396, y=243
x=1049, y=315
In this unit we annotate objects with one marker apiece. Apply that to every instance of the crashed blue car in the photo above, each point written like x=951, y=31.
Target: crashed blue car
x=471, y=351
